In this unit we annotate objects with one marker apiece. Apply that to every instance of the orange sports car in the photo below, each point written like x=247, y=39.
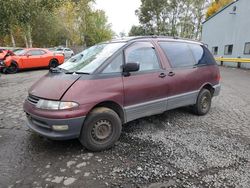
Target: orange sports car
x=30, y=58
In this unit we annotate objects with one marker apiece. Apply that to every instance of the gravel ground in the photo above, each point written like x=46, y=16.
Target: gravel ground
x=174, y=149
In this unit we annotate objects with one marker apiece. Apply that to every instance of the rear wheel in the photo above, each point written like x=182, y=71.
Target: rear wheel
x=13, y=68
x=53, y=63
x=203, y=103
x=101, y=129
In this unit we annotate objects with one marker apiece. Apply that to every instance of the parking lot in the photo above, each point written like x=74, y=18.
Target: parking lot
x=174, y=149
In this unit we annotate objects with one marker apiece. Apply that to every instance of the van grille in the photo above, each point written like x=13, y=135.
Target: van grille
x=33, y=99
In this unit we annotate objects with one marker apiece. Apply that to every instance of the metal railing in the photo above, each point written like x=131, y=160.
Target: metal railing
x=237, y=60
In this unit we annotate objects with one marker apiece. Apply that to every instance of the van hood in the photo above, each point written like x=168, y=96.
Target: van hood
x=53, y=85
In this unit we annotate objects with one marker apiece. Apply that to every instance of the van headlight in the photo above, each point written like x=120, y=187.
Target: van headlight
x=55, y=105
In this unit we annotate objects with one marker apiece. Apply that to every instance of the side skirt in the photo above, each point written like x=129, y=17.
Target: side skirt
x=160, y=105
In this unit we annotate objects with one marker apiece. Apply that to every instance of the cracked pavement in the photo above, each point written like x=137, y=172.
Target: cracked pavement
x=174, y=149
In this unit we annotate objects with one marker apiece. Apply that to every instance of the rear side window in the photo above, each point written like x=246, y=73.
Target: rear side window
x=178, y=53
x=201, y=55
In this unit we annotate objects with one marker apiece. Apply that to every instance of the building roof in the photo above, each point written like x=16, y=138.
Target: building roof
x=221, y=10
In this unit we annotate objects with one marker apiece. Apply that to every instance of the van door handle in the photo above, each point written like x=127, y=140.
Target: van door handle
x=171, y=73
x=162, y=75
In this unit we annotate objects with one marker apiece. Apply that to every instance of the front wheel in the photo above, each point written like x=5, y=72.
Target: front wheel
x=101, y=129
x=203, y=103
x=13, y=68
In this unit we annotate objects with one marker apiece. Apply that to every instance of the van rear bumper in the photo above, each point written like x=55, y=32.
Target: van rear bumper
x=217, y=89
x=44, y=127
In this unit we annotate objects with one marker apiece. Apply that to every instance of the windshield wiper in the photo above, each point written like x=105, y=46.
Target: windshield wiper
x=82, y=73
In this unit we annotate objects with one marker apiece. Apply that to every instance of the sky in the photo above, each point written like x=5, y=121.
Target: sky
x=120, y=13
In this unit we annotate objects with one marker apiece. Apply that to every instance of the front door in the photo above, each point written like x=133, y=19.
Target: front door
x=145, y=91
x=44, y=59
x=32, y=59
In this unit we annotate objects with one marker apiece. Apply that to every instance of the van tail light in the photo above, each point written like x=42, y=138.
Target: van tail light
x=218, y=77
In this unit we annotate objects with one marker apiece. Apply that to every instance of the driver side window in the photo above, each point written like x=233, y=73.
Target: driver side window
x=115, y=66
x=144, y=54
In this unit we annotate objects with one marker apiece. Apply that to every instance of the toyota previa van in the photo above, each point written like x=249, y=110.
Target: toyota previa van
x=91, y=95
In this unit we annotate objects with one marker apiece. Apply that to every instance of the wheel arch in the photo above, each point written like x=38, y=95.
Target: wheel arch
x=14, y=62
x=113, y=106
x=53, y=59
x=209, y=87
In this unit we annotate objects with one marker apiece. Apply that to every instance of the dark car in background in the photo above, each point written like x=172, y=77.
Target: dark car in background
x=91, y=95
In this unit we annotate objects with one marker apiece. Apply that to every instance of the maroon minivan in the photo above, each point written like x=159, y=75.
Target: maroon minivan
x=91, y=95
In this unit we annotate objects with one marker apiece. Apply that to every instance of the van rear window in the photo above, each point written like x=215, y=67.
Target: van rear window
x=202, y=55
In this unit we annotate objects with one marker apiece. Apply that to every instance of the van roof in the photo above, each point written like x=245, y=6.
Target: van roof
x=167, y=38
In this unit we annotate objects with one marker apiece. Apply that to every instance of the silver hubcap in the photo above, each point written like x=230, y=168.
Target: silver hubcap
x=102, y=130
x=205, y=102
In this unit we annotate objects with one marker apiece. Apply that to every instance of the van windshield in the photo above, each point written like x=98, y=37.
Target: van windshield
x=90, y=59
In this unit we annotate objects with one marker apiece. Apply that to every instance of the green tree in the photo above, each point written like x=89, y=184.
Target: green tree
x=151, y=16
x=98, y=29
x=137, y=31
x=176, y=17
x=9, y=20
x=52, y=22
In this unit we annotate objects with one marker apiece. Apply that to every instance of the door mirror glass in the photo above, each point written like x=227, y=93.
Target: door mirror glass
x=131, y=67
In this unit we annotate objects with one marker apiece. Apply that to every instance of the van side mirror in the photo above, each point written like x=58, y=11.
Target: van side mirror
x=131, y=67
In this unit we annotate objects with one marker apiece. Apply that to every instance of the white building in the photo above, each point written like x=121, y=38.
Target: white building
x=227, y=33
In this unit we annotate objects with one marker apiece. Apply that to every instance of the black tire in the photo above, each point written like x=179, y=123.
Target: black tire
x=101, y=129
x=53, y=63
x=203, y=103
x=13, y=68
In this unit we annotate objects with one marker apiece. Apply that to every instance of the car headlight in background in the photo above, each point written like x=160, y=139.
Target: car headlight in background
x=55, y=105
x=2, y=63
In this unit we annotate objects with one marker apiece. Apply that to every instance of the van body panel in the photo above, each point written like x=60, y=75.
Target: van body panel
x=141, y=90
x=94, y=91
x=53, y=86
